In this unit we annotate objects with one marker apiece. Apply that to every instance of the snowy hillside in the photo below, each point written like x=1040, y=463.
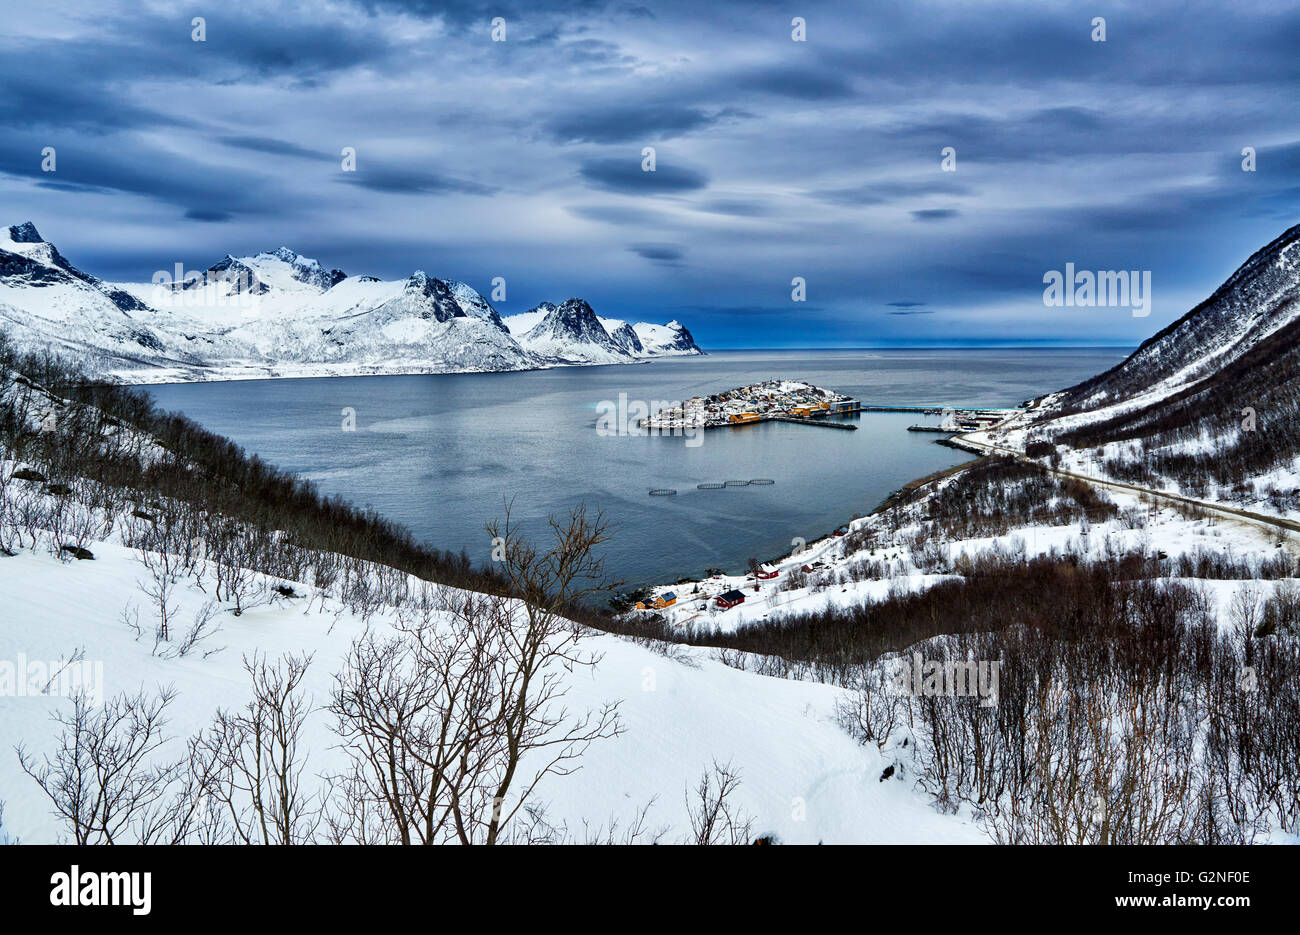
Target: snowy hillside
x=571, y=331
x=1209, y=408
x=282, y=314
x=1258, y=300
x=680, y=713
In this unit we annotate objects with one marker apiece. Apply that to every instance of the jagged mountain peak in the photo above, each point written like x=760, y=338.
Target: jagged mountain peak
x=302, y=269
x=575, y=306
x=571, y=330
x=573, y=315
x=474, y=305
x=625, y=336
x=291, y=256
x=418, y=281
x=25, y=233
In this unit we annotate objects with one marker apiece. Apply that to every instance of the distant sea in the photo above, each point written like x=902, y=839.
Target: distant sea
x=442, y=454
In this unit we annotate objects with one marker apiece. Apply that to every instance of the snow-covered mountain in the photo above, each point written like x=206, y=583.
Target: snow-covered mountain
x=672, y=338
x=278, y=313
x=573, y=332
x=1260, y=299
x=1209, y=407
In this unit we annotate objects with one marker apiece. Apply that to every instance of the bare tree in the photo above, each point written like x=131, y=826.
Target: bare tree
x=540, y=653
x=453, y=722
x=203, y=627
x=164, y=568
x=102, y=780
x=714, y=818
x=875, y=709
x=250, y=763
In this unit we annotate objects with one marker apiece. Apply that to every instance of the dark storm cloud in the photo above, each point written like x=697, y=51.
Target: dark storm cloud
x=775, y=159
x=884, y=192
x=251, y=42
x=133, y=169
x=481, y=12
x=621, y=123
x=627, y=177
x=201, y=214
x=32, y=99
x=274, y=147
x=659, y=252
x=935, y=214
x=738, y=207
x=802, y=83
x=396, y=180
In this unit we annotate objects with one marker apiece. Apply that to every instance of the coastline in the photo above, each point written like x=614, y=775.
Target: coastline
x=165, y=376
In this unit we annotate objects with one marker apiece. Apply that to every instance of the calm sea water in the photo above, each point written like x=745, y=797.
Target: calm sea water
x=442, y=454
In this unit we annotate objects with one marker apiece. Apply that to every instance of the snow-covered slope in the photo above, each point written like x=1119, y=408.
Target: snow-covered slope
x=802, y=778
x=277, y=313
x=672, y=338
x=571, y=332
x=1207, y=408
x=46, y=300
x=567, y=332
x=1258, y=300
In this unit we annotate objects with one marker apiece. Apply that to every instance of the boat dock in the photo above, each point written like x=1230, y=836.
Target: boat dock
x=822, y=421
x=924, y=410
x=797, y=420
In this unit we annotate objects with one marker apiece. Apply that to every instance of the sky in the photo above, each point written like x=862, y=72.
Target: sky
x=776, y=157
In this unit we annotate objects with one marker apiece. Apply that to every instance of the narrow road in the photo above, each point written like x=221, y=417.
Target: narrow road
x=1259, y=519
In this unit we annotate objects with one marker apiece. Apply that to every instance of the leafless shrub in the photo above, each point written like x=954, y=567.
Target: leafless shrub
x=101, y=780
x=713, y=817
x=874, y=710
x=203, y=627
x=251, y=762
x=451, y=724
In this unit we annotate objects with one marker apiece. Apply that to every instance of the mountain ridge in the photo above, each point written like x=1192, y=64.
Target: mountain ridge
x=1224, y=314
x=278, y=313
x=1208, y=407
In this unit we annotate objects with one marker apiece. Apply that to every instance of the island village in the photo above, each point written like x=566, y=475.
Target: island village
x=785, y=400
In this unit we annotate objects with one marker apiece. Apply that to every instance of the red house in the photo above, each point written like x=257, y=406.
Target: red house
x=730, y=599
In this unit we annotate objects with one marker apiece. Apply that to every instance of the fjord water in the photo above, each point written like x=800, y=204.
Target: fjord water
x=442, y=454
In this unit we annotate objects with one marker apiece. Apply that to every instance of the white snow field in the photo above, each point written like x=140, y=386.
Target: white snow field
x=802, y=778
